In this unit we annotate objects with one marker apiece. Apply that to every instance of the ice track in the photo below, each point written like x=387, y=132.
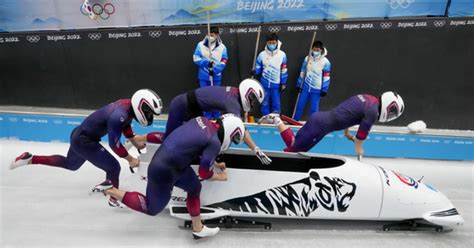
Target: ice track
x=48, y=207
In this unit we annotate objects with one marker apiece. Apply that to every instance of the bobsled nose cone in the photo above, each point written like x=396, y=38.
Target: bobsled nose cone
x=449, y=217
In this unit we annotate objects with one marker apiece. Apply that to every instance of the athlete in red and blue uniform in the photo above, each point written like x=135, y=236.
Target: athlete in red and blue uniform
x=112, y=120
x=223, y=99
x=170, y=166
x=363, y=110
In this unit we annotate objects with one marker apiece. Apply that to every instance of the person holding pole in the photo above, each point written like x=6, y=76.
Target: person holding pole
x=272, y=68
x=314, y=79
x=247, y=116
x=211, y=58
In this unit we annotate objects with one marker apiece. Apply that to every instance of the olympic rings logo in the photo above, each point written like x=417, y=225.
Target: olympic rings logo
x=154, y=34
x=331, y=27
x=33, y=39
x=385, y=25
x=103, y=11
x=439, y=23
x=274, y=29
x=395, y=4
x=94, y=36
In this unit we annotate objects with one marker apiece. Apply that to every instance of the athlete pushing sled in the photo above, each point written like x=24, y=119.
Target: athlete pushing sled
x=112, y=120
x=224, y=99
x=363, y=110
x=170, y=166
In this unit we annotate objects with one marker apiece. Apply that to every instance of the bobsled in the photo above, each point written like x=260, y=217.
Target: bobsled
x=315, y=186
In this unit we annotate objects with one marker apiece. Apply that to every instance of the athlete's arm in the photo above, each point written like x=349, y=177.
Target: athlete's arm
x=348, y=135
x=264, y=159
x=208, y=159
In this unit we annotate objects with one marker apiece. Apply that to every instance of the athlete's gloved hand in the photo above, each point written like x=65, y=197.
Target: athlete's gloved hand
x=323, y=94
x=282, y=87
x=264, y=159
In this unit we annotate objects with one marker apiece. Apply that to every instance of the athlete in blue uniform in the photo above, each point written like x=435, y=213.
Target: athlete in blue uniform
x=210, y=99
x=170, y=166
x=363, y=110
x=112, y=120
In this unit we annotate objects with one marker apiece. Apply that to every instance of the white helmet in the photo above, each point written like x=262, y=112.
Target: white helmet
x=391, y=106
x=145, y=104
x=231, y=129
x=250, y=91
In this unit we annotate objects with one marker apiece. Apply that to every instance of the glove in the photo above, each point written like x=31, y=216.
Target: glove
x=264, y=159
x=211, y=68
x=253, y=73
x=282, y=87
x=323, y=94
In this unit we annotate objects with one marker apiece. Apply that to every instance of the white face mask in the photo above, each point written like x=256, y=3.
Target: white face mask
x=316, y=54
x=212, y=39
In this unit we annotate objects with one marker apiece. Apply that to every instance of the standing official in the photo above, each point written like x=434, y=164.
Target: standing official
x=211, y=58
x=272, y=69
x=316, y=82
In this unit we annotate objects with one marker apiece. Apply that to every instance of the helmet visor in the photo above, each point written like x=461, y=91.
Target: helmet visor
x=392, y=111
x=251, y=97
x=147, y=113
x=236, y=136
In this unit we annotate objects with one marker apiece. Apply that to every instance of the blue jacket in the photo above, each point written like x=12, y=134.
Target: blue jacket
x=272, y=67
x=219, y=57
x=318, y=76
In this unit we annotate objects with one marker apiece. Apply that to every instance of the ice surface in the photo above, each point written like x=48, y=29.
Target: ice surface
x=49, y=207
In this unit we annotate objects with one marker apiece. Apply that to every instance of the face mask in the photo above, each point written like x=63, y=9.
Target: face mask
x=212, y=39
x=272, y=47
x=316, y=54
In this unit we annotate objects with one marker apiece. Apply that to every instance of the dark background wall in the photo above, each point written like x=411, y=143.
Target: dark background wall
x=431, y=67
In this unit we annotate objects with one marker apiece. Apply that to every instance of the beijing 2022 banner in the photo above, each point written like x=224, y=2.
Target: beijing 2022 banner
x=28, y=15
